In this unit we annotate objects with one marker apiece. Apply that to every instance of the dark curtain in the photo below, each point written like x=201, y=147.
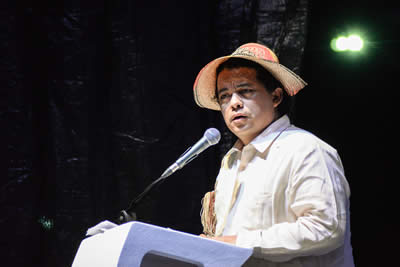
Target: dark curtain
x=96, y=101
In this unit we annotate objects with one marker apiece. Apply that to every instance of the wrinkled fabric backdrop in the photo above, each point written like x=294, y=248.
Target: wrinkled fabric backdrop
x=97, y=101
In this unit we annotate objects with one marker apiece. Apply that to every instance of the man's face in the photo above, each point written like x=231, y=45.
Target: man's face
x=246, y=105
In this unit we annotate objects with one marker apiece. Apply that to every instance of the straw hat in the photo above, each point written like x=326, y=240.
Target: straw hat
x=204, y=85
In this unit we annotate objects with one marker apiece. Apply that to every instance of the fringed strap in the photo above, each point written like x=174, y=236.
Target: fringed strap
x=208, y=218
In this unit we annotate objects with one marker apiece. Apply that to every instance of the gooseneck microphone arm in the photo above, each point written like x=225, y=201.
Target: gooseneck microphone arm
x=128, y=214
x=211, y=137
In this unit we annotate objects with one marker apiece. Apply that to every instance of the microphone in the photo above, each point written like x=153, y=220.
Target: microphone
x=210, y=137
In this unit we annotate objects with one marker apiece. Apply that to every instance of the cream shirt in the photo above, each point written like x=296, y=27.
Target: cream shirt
x=285, y=194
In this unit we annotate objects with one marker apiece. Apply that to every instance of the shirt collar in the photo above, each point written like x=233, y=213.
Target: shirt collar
x=266, y=137
x=261, y=142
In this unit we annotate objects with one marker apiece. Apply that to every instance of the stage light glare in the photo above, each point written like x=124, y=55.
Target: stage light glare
x=351, y=42
x=355, y=43
x=333, y=45
x=342, y=43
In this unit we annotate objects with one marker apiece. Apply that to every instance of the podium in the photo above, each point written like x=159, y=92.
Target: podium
x=138, y=244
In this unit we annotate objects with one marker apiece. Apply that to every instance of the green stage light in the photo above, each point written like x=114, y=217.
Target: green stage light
x=355, y=43
x=46, y=223
x=350, y=43
x=333, y=45
x=342, y=43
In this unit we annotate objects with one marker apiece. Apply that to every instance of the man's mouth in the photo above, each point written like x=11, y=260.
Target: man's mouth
x=239, y=117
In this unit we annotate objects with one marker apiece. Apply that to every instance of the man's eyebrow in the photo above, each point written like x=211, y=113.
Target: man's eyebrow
x=237, y=86
x=222, y=90
x=244, y=85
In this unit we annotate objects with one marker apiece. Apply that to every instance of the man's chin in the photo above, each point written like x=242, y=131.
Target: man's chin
x=240, y=131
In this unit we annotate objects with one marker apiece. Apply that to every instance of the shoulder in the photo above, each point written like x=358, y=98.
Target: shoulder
x=301, y=142
x=309, y=156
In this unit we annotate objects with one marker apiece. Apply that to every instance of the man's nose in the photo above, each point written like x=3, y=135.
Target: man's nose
x=236, y=101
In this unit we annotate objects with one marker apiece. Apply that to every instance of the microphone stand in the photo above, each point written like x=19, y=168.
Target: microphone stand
x=211, y=137
x=128, y=214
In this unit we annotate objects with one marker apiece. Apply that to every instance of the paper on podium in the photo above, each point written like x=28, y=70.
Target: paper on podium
x=140, y=244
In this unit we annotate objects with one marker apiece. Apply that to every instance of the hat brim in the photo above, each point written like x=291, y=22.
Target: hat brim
x=205, y=84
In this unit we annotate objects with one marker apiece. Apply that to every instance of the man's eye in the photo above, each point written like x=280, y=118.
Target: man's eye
x=246, y=91
x=224, y=96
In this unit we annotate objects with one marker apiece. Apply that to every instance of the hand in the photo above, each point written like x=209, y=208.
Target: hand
x=230, y=239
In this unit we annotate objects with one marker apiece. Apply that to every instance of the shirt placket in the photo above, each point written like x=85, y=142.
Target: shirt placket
x=247, y=155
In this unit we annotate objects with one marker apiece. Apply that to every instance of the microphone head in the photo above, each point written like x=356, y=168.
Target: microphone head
x=212, y=135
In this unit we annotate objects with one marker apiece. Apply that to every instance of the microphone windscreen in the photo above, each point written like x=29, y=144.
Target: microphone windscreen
x=212, y=135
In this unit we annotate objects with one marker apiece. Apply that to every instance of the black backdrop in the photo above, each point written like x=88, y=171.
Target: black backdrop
x=96, y=101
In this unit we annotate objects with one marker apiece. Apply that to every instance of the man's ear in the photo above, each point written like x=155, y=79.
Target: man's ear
x=277, y=96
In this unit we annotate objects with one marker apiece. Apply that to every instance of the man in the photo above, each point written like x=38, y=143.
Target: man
x=280, y=189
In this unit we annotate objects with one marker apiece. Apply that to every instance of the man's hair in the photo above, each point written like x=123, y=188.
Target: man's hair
x=263, y=76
